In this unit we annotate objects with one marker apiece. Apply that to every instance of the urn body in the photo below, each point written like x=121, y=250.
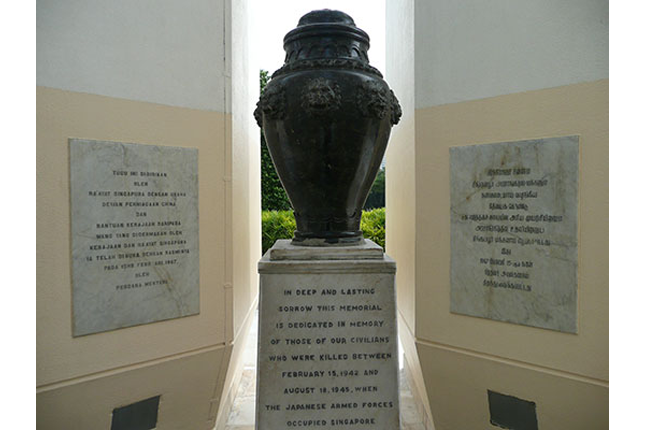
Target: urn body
x=326, y=117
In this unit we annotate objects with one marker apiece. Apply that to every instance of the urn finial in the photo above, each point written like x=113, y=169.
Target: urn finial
x=326, y=16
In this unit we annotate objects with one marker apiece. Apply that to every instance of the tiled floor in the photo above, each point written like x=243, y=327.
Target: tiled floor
x=242, y=416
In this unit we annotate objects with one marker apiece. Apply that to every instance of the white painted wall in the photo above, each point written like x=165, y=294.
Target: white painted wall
x=472, y=49
x=400, y=178
x=247, y=229
x=401, y=195
x=161, y=51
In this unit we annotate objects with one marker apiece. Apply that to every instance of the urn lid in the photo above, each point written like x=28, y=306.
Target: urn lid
x=323, y=16
x=326, y=34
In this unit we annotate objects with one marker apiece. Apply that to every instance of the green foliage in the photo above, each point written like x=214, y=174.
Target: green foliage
x=376, y=197
x=273, y=195
x=281, y=225
x=276, y=225
x=264, y=80
x=373, y=225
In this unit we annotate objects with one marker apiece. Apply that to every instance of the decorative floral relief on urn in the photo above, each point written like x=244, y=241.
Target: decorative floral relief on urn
x=326, y=115
x=271, y=104
x=395, y=109
x=321, y=96
x=373, y=99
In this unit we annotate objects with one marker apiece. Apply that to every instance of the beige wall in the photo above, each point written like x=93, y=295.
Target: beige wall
x=99, y=77
x=185, y=383
x=458, y=381
x=461, y=356
x=63, y=362
x=483, y=73
x=64, y=114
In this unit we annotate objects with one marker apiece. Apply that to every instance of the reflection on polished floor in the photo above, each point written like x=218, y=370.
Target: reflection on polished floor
x=242, y=415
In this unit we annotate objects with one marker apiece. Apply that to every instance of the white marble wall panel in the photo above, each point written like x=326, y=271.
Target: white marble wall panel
x=135, y=234
x=514, y=232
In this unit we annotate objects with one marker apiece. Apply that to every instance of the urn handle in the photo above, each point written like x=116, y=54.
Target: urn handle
x=375, y=100
x=272, y=103
x=395, y=109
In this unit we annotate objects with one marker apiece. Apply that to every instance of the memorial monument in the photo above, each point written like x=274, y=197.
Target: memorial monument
x=327, y=344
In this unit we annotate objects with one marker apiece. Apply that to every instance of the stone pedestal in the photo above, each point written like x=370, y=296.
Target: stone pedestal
x=327, y=341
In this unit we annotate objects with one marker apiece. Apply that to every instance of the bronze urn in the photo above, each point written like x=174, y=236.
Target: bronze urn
x=326, y=115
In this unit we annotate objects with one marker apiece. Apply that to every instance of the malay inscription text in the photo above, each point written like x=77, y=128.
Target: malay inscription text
x=135, y=252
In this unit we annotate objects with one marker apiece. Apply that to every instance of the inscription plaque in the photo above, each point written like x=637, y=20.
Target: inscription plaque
x=327, y=354
x=514, y=232
x=135, y=234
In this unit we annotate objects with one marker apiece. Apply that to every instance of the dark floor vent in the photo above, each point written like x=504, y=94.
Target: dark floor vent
x=511, y=413
x=137, y=416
